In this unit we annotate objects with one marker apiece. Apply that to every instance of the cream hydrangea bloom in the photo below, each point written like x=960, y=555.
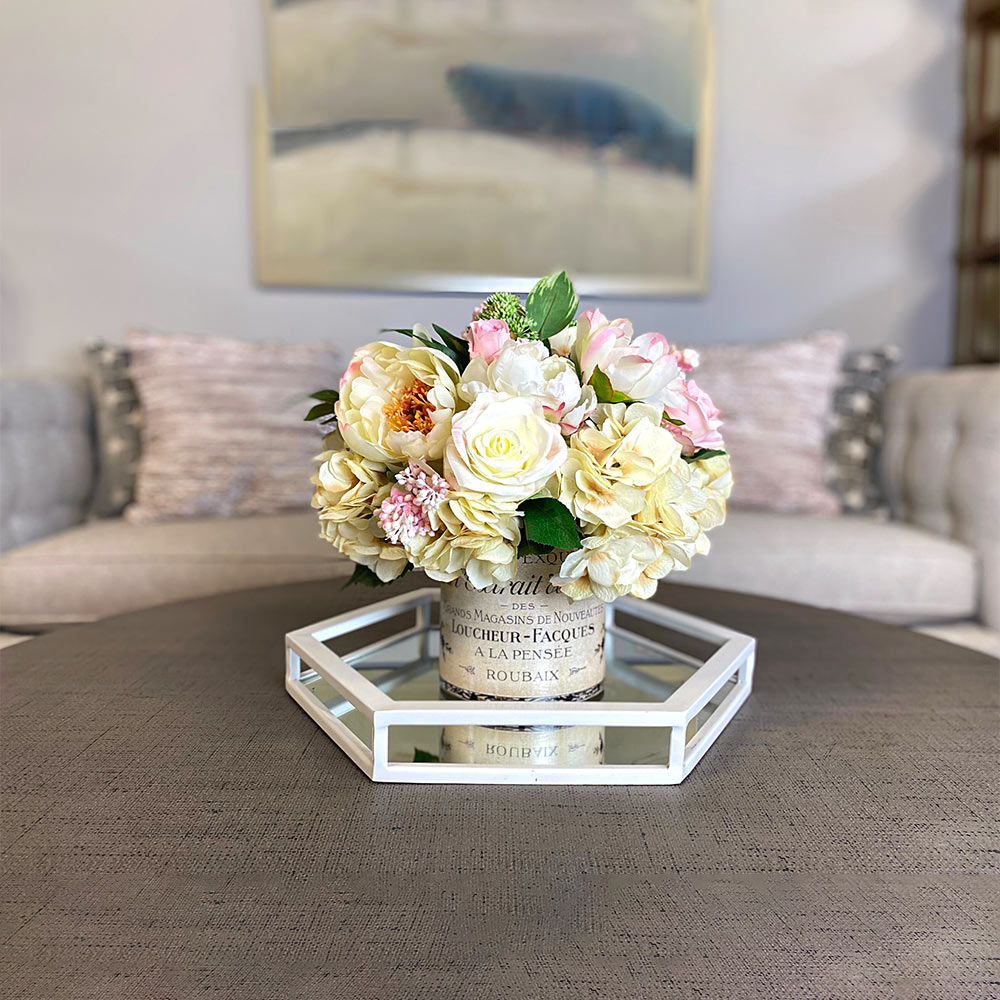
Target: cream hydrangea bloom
x=397, y=402
x=715, y=478
x=610, y=466
x=671, y=517
x=349, y=489
x=479, y=536
x=613, y=563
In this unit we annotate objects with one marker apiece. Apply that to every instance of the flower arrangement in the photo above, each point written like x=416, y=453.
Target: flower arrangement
x=536, y=430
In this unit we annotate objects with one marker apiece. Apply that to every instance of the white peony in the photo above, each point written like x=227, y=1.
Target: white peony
x=396, y=403
x=526, y=368
x=562, y=343
x=503, y=446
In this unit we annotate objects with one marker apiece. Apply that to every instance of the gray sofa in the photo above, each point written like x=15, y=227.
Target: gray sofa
x=937, y=560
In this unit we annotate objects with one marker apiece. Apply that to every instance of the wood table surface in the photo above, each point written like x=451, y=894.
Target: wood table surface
x=175, y=826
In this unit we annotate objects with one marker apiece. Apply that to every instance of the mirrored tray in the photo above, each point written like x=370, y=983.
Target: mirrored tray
x=673, y=683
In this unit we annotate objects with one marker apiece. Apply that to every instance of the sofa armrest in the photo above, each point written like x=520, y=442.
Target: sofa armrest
x=46, y=457
x=941, y=463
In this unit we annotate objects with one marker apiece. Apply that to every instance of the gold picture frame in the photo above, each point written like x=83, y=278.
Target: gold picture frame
x=386, y=231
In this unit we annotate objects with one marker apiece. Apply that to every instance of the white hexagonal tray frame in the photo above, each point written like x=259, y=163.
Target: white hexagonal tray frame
x=733, y=660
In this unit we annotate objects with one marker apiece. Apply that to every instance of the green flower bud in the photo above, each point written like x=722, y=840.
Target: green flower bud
x=508, y=307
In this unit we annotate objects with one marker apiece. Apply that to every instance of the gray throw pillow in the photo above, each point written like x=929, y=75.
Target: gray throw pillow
x=117, y=423
x=855, y=441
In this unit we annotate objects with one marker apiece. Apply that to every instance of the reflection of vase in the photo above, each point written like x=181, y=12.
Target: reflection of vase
x=531, y=746
x=523, y=640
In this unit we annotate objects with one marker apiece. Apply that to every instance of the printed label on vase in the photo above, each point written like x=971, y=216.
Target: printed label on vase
x=533, y=746
x=523, y=640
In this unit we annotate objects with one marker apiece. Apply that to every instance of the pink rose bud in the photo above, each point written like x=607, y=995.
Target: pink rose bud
x=487, y=338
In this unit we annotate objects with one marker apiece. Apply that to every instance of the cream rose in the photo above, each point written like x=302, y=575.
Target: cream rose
x=503, y=446
x=396, y=403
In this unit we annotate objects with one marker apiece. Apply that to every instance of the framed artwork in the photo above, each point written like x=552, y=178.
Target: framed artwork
x=464, y=145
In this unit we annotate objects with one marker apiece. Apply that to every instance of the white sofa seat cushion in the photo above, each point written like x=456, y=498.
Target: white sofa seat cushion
x=881, y=569
x=111, y=566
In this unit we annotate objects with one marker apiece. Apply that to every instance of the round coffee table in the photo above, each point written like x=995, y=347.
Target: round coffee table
x=175, y=826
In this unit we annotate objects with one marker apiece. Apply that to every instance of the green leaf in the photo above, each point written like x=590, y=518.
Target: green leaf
x=319, y=410
x=530, y=548
x=455, y=343
x=620, y=397
x=704, y=453
x=458, y=344
x=396, y=329
x=423, y=757
x=445, y=350
x=551, y=305
x=364, y=577
x=326, y=395
x=602, y=386
x=548, y=522
x=671, y=420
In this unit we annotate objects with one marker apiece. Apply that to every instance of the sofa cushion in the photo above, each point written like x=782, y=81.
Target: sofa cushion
x=222, y=427
x=46, y=457
x=868, y=566
x=110, y=566
x=776, y=401
x=117, y=420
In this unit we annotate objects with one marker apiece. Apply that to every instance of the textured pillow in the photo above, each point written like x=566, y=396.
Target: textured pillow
x=776, y=401
x=222, y=424
x=117, y=419
x=855, y=439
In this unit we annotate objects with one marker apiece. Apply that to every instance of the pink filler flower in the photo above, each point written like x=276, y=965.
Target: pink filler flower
x=408, y=511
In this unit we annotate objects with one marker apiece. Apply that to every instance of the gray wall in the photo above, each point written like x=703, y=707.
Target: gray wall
x=124, y=180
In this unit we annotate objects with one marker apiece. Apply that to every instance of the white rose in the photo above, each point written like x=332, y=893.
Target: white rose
x=526, y=368
x=396, y=403
x=503, y=446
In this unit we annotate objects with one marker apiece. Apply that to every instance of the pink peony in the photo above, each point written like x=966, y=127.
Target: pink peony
x=486, y=338
x=646, y=371
x=600, y=342
x=687, y=359
x=700, y=416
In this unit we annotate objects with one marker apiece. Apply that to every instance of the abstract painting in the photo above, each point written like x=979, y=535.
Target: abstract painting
x=463, y=145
